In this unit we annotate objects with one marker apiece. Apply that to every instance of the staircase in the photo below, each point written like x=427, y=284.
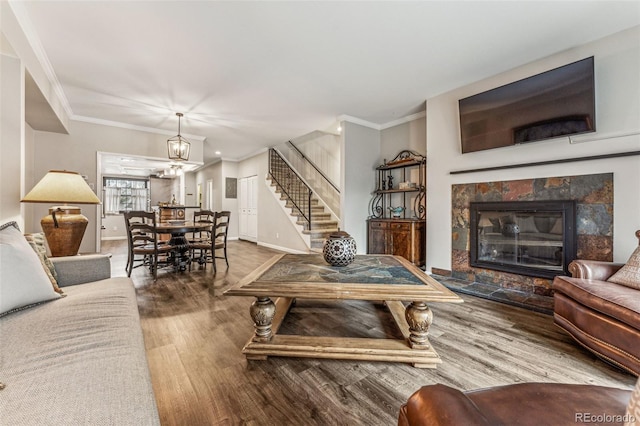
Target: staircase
x=321, y=223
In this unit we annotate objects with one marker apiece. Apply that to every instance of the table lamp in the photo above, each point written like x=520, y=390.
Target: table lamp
x=64, y=226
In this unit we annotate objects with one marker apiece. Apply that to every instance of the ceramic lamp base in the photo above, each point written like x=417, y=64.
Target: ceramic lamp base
x=65, y=239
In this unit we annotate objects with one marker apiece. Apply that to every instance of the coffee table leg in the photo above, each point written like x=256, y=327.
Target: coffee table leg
x=262, y=311
x=419, y=317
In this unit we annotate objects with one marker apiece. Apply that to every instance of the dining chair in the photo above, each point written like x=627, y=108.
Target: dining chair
x=218, y=241
x=202, y=216
x=144, y=241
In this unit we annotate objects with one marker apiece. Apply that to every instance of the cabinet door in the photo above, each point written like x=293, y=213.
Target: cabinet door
x=418, y=244
x=377, y=238
x=400, y=240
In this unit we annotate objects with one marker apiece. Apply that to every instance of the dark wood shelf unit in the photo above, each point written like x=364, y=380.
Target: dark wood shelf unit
x=391, y=166
x=402, y=235
x=397, y=191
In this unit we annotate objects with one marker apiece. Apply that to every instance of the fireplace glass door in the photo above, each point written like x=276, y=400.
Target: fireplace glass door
x=528, y=238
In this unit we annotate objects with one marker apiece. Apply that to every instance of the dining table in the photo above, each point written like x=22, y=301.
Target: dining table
x=178, y=230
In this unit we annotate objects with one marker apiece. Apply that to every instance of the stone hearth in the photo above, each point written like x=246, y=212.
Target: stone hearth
x=594, y=224
x=533, y=302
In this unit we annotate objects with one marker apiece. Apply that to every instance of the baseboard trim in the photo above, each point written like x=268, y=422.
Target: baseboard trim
x=285, y=249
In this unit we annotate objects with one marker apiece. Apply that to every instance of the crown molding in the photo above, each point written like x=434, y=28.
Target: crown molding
x=229, y=160
x=134, y=127
x=359, y=121
x=383, y=126
x=209, y=164
x=258, y=152
x=403, y=120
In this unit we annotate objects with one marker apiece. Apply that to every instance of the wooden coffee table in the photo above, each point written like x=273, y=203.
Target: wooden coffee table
x=370, y=277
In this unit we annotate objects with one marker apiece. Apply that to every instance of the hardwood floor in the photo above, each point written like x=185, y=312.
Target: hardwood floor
x=194, y=336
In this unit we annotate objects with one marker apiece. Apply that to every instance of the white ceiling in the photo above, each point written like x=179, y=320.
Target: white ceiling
x=248, y=75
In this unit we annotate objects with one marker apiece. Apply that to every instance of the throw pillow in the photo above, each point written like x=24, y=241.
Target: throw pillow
x=632, y=415
x=23, y=281
x=629, y=274
x=37, y=243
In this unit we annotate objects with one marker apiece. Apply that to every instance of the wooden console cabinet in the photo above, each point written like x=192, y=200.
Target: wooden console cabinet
x=401, y=237
x=168, y=213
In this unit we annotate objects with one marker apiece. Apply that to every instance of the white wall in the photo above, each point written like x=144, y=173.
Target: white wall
x=218, y=172
x=12, y=139
x=617, y=67
x=410, y=135
x=360, y=156
x=209, y=172
x=230, y=170
x=324, y=151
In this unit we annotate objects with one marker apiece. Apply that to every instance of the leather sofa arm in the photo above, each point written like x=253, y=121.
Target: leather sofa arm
x=440, y=405
x=593, y=269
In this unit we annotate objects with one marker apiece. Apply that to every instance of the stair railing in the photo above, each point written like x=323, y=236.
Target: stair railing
x=312, y=164
x=323, y=187
x=292, y=185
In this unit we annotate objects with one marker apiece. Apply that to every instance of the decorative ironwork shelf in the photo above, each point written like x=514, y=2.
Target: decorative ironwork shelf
x=393, y=191
x=401, y=169
x=402, y=163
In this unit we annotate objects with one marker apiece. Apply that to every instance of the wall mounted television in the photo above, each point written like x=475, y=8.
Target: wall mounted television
x=559, y=102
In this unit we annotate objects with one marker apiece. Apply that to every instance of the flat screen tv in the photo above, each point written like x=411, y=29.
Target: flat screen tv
x=556, y=103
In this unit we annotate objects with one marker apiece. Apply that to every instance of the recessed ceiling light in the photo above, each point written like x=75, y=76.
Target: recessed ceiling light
x=218, y=153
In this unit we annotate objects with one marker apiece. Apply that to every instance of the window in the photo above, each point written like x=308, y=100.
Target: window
x=123, y=195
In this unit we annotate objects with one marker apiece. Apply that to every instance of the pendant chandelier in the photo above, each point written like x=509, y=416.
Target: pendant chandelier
x=178, y=146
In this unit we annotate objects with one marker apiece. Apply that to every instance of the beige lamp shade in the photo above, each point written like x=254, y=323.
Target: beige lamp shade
x=65, y=225
x=61, y=187
x=484, y=222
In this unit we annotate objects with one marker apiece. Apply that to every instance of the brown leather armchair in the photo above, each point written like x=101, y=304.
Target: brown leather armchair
x=602, y=316
x=522, y=404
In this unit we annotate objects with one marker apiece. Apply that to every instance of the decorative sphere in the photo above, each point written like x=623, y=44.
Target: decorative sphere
x=339, y=249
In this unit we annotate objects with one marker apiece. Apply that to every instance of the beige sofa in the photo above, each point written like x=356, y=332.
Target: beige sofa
x=78, y=359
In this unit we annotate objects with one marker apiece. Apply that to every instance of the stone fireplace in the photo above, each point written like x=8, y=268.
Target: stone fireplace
x=592, y=196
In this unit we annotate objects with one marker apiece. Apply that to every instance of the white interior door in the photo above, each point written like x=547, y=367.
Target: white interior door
x=243, y=209
x=248, y=208
x=252, y=208
x=210, y=203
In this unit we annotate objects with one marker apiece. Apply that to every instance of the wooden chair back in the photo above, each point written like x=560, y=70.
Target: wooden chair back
x=203, y=216
x=221, y=227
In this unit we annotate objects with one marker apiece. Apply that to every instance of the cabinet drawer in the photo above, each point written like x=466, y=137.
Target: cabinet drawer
x=378, y=224
x=401, y=226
